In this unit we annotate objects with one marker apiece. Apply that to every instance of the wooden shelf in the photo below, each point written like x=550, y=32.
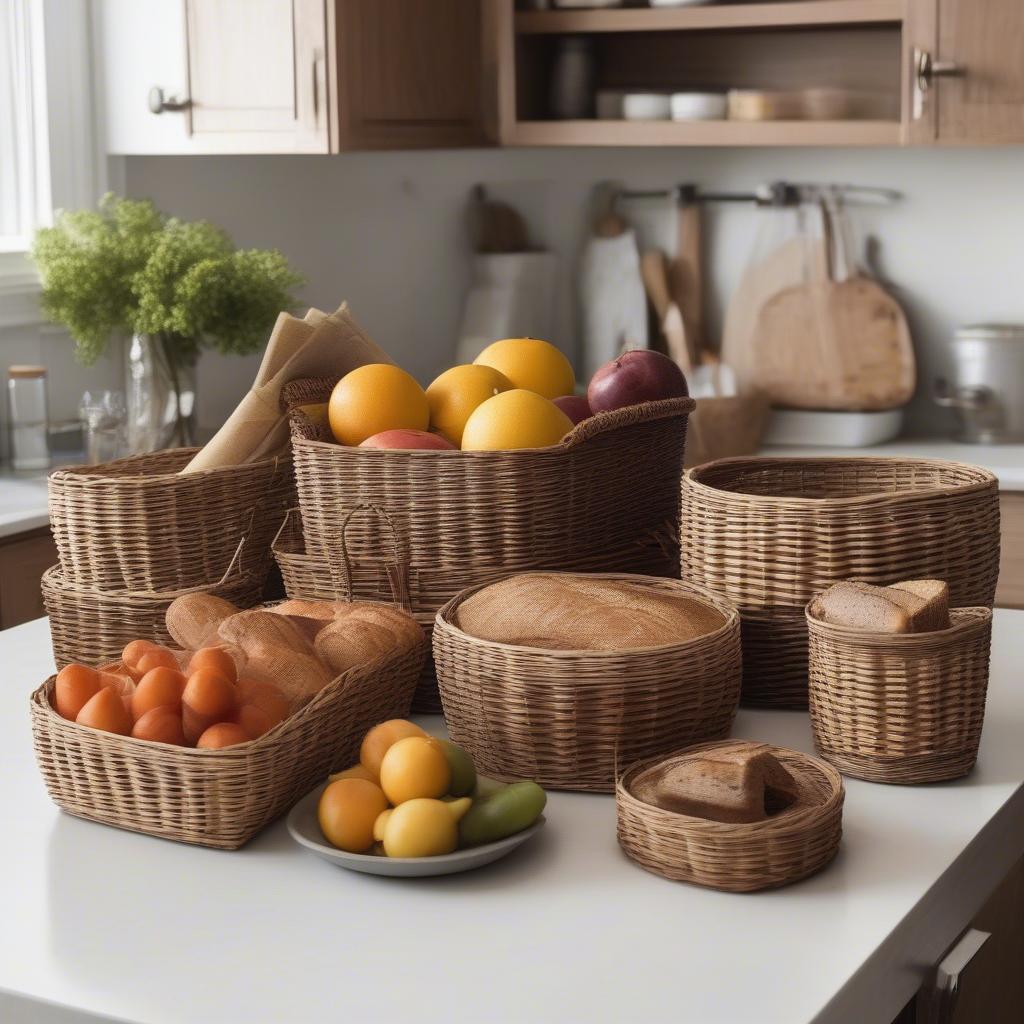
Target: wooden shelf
x=811, y=13
x=704, y=133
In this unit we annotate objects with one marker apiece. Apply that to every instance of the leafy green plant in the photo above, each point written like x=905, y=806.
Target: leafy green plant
x=126, y=266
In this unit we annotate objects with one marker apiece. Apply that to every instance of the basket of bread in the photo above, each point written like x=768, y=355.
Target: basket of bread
x=898, y=680
x=558, y=677
x=769, y=534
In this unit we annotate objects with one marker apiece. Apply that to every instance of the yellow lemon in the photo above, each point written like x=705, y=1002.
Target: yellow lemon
x=515, y=419
x=374, y=398
x=422, y=827
x=457, y=392
x=415, y=767
x=377, y=741
x=347, y=811
x=531, y=364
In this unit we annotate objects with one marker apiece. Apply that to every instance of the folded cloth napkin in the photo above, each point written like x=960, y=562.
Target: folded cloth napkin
x=319, y=345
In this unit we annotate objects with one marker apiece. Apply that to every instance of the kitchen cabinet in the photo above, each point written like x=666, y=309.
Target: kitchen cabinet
x=24, y=558
x=1010, y=593
x=289, y=76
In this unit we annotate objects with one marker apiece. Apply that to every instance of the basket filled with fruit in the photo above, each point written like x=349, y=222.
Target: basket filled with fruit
x=209, y=742
x=498, y=467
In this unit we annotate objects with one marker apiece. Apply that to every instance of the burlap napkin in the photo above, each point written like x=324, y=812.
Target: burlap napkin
x=319, y=345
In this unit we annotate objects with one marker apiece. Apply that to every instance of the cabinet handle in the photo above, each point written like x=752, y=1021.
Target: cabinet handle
x=928, y=69
x=941, y=998
x=158, y=104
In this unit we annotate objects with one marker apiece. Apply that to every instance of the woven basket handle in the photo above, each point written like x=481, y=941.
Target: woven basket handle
x=396, y=569
x=280, y=529
x=603, y=422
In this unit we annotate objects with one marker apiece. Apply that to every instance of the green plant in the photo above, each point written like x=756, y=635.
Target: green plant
x=126, y=266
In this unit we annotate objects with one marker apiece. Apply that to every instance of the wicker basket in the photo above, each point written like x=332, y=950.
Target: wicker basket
x=90, y=626
x=311, y=577
x=138, y=524
x=903, y=708
x=769, y=534
x=218, y=798
x=566, y=718
x=736, y=857
x=606, y=499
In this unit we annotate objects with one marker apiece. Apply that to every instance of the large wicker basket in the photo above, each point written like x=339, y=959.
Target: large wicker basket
x=218, y=798
x=567, y=718
x=903, y=708
x=736, y=857
x=138, y=524
x=606, y=499
x=769, y=534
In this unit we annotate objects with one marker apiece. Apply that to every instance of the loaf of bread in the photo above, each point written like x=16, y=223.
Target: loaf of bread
x=323, y=610
x=914, y=606
x=736, y=785
x=564, y=611
x=408, y=632
x=347, y=643
x=194, y=619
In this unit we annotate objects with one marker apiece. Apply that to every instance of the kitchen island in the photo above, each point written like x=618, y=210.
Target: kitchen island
x=105, y=924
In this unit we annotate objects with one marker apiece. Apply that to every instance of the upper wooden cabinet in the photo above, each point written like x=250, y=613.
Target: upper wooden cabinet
x=295, y=76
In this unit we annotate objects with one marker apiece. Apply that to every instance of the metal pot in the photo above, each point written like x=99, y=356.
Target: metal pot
x=987, y=386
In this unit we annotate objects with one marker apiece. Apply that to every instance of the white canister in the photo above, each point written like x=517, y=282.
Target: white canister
x=28, y=417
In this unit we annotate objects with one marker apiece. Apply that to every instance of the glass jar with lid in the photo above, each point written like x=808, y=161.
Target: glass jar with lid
x=28, y=418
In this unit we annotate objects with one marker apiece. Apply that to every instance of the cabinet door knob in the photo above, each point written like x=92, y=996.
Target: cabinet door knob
x=928, y=69
x=158, y=104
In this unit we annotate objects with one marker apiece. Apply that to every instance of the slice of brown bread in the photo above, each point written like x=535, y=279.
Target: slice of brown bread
x=933, y=612
x=861, y=606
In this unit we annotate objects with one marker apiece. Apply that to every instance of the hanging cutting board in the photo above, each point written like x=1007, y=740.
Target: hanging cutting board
x=831, y=343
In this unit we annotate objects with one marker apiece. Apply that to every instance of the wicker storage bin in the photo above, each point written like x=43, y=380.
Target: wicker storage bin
x=312, y=578
x=606, y=499
x=903, y=708
x=769, y=534
x=566, y=718
x=90, y=626
x=736, y=857
x=218, y=798
x=138, y=524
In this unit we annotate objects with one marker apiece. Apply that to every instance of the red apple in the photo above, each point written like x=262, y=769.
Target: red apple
x=408, y=440
x=641, y=375
x=576, y=407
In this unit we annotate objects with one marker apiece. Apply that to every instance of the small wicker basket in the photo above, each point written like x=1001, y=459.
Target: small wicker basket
x=904, y=708
x=217, y=798
x=565, y=718
x=138, y=524
x=736, y=857
x=769, y=534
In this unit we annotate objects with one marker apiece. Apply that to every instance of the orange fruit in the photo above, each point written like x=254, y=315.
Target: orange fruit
x=160, y=725
x=531, y=364
x=377, y=741
x=347, y=810
x=254, y=720
x=76, y=685
x=132, y=653
x=222, y=734
x=214, y=659
x=106, y=710
x=267, y=697
x=158, y=657
x=454, y=395
x=159, y=687
x=515, y=419
x=374, y=398
x=208, y=698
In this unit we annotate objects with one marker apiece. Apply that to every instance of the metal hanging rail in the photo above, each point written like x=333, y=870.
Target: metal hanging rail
x=775, y=193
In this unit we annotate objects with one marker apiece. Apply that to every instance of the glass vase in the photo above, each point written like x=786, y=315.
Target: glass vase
x=160, y=382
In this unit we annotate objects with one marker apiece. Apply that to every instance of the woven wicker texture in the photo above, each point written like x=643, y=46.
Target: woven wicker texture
x=312, y=578
x=90, y=626
x=137, y=524
x=605, y=499
x=218, y=798
x=769, y=534
x=902, y=708
x=565, y=718
x=738, y=858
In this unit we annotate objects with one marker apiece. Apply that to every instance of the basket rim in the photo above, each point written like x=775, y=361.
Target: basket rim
x=88, y=476
x=595, y=425
x=716, y=601
x=692, y=479
x=809, y=816
x=54, y=579
x=962, y=620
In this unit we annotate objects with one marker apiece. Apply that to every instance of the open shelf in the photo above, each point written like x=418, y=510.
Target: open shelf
x=734, y=16
x=704, y=133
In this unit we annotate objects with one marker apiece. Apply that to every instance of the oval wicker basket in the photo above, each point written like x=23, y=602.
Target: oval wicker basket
x=904, y=708
x=605, y=499
x=736, y=857
x=218, y=798
x=769, y=534
x=139, y=524
x=566, y=718
x=91, y=626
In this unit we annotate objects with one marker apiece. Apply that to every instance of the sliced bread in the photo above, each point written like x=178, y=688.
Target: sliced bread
x=916, y=606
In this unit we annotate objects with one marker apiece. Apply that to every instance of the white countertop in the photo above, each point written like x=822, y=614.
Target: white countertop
x=23, y=504
x=1005, y=460
x=131, y=928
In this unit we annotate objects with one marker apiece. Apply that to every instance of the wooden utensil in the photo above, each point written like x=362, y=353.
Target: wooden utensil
x=686, y=276
x=829, y=344
x=495, y=226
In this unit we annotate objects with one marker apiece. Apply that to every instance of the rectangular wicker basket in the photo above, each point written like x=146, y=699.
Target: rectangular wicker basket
x=904, y=708
x=138, y=524
x=769, y=534
x=566, y=718
x=216, y=798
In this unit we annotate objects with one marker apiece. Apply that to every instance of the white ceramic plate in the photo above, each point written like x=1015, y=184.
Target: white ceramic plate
x=305, y=830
